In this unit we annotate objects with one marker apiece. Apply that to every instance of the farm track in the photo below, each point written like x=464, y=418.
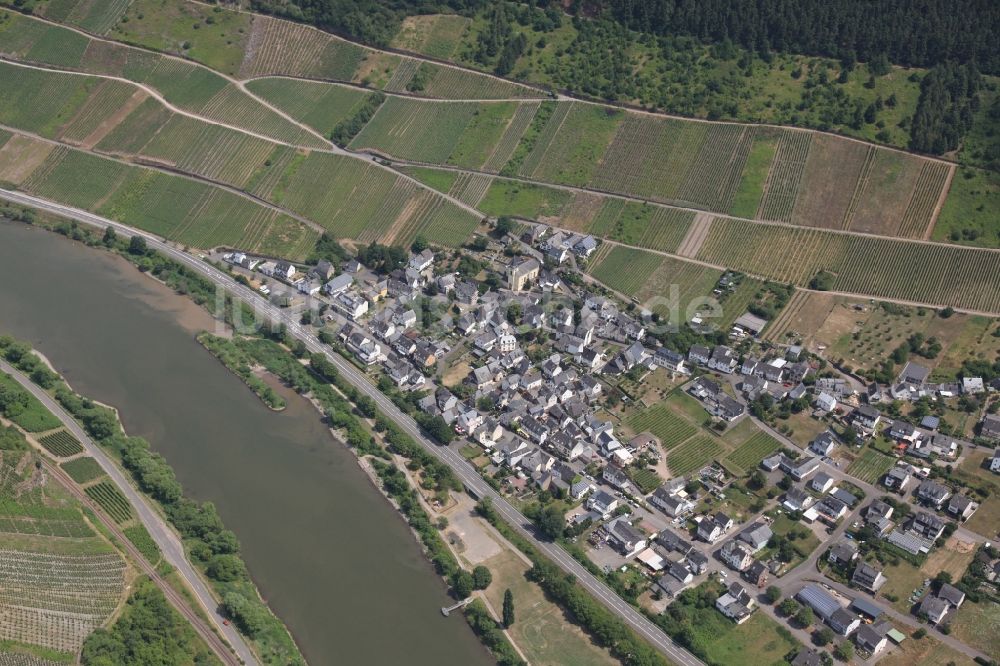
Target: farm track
x=563, y=95
x=241, y=84
x=696, y=235
x=940, y=202
x=158, y=165
x=472, y=210
x=624, y=197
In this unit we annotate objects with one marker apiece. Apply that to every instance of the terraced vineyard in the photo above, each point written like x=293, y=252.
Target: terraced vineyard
x=61, y=444
x=879, y=267
x=141, y=539
x=623, y=269
x=188, y=86
x=320, y=105
x=644, y=225
x=278, y=47
x=111, y=500
x=870, y=466
x=55, y=601
x=919, y=216
x=177, y=208
x=22, y=659
x=412, y=129
x=785, y=177
x=96, y=17
x=667, y=286
x=749, y=454
x=669, y=428
x=58, y=579
x=283, y=47
x=693, y=455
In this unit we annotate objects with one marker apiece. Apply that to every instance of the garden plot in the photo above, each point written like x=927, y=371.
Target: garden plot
x=749, y=454
x=693, y=454
x=669, y=428
x=870, y=466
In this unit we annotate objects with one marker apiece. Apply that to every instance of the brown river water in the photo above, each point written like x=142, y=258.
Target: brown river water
x=331, y=556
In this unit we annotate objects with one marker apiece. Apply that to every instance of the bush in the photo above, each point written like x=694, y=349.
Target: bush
x=481, y=577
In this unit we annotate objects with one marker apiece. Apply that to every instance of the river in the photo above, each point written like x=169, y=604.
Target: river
x=331, y=556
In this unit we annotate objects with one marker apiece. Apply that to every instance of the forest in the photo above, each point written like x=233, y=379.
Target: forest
x=919, y=33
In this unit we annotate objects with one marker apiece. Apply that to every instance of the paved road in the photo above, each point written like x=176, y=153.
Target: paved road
x=166, y=539
x=462, y=468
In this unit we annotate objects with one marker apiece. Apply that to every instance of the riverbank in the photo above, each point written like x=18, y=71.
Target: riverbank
x=278, y=479
x=271, y=641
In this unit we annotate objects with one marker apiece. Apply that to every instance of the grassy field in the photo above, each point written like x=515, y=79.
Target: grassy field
x=439, y=179
x=30, y=414
x=969, y=212
x=978, y=625
x=927, y=651
x=210, y=35
x=540, y=629
x=570, y=147
x=747, y=198
x=718, y=640
x=436, y=35
x=508, y=197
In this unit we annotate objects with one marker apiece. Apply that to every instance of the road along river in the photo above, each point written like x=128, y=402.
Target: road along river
x=330, y=555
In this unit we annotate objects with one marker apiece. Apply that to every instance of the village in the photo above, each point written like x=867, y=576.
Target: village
x=657, y=457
